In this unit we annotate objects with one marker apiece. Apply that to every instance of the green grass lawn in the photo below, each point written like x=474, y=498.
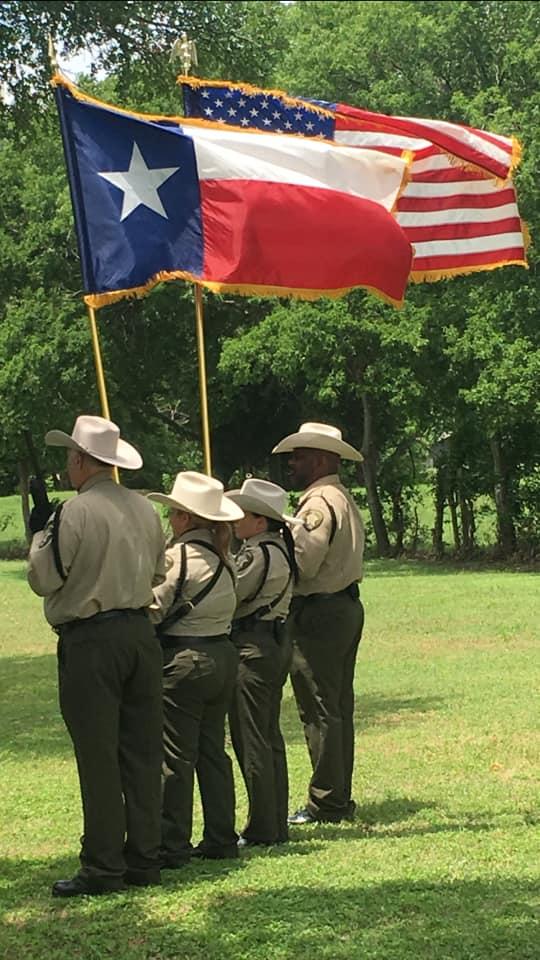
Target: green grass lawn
x=442, y=861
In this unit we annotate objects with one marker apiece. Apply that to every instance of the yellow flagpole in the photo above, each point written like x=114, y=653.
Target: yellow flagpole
x=100, y=375
x=185, y=50
x=205, y=422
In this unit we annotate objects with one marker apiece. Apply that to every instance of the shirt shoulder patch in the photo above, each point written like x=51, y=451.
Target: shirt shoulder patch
x=312, y=519
x=244, y=560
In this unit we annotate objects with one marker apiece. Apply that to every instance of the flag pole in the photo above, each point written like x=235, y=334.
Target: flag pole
x=100, y=375
x=185, y=50
x=205, y=422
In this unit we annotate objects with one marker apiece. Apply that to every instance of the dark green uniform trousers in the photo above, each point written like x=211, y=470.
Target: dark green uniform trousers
x=198, y=682
x=265, y=657
x=110, y=698
x=325, y=631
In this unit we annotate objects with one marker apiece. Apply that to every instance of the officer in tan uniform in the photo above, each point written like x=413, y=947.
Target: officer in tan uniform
x=194, y=610
x=326, y=619
x=266, y=573
x=95, y=562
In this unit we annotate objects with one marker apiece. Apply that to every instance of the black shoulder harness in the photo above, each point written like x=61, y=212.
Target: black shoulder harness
x=56, y=542
x=261, y=611
x=179, y=610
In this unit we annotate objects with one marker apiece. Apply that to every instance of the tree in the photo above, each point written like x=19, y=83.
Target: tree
x=346, y=360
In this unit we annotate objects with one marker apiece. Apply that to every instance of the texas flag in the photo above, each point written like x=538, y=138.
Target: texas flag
x=159, y=198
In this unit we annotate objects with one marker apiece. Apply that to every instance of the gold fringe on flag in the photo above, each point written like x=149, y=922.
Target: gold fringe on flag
x=97, y=300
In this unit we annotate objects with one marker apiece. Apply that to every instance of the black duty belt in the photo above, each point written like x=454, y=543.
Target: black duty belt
x=99, y=618
x=168, y=640
x=351, y=591
x=251, y=622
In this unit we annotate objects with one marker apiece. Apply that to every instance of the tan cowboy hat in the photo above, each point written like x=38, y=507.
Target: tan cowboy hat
x=100, y=439
x=263, y=498
x=318, y=436
x=201, y=495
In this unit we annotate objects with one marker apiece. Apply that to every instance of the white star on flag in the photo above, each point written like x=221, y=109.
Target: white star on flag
x=140, y=184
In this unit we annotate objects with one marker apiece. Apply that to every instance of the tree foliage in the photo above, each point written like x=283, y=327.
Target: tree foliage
x=445, y=391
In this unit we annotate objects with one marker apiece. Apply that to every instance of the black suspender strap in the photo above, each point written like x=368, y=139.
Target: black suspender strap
x=333, y=518
x=267, y=608
x=180, y=610
x=55, y=542
x=266, y=556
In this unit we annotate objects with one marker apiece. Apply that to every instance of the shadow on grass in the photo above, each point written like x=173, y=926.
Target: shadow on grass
x=29, y=712
x=391, y=818
x=412, y=920
x=386, y=567
x=370, y=710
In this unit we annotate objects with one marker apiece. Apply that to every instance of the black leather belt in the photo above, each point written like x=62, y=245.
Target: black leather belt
x=99, y=618
x=351, y=591
x=252, y=623
x=168, y=640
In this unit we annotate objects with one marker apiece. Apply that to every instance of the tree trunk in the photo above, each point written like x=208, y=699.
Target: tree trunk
x=503, y=503
x=438, y=543
x=398, y=523
x=415, y=532
x=454, y=517
x=467, y=522
x=24, y=477
x=370, y=479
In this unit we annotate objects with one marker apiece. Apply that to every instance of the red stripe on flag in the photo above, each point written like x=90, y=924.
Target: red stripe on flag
x=449, y=175
x=421, y=129
x=298, y=237
x=461, y=231
x=456, y=201
x=463, y=260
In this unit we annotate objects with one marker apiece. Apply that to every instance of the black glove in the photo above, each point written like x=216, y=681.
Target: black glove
x=42, y=506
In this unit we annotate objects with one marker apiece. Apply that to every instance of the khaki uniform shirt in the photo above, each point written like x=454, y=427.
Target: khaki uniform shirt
x=112, y=551
x=213, y=615
x=250, y=569
x=326, y=567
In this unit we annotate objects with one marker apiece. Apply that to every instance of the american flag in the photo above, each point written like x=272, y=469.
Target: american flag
x=459, y=209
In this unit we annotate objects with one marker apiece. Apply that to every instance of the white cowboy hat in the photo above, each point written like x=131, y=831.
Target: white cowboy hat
x=263, y=498
x=318, y=436
x=100, y=439
x=200, y=495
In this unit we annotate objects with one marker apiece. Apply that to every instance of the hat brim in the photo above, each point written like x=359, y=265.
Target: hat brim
x=318, y=441
x=228, y=512
x=260, y=507
x=126, y=456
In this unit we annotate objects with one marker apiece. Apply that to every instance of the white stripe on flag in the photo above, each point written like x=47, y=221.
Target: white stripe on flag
x=468, y=137
x=230, y=155
x=438, y=162
x=428, y=218
x=454, y=187
x=440, y=248
x=364, y=138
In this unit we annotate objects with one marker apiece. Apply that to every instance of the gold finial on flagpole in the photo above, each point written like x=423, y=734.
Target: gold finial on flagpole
x=185, y=50
x=52, y=55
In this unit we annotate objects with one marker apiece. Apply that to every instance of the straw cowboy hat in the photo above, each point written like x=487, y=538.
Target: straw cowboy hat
x=318, y=436
x=200, y=495
x=100, y=439
x=263, y=498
